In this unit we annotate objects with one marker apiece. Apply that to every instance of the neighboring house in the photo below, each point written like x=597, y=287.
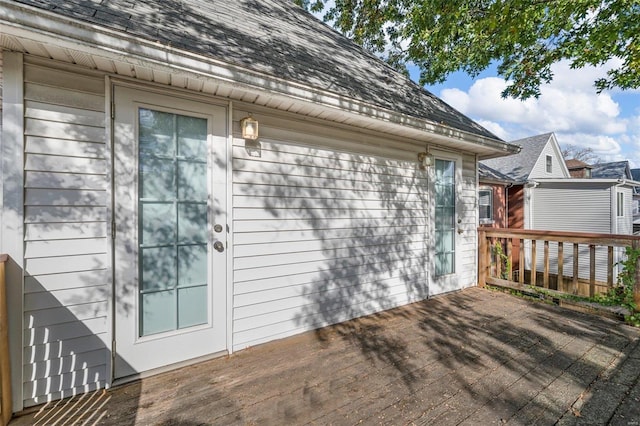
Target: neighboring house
x=635, y=174
x=492, y=197
x=613, y=170
x=546, y=198
x=579, y=169
x=145, y=230
x=621, y=170
x=583, y=205
x=540, y=157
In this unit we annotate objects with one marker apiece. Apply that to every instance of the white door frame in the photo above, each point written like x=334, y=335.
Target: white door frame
x=449, y=282
x=218, y=185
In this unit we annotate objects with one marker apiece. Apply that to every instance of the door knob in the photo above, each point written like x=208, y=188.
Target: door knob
x=218, y=246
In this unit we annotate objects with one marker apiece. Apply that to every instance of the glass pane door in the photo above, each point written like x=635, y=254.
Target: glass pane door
x=445, y=211
x=172, y=221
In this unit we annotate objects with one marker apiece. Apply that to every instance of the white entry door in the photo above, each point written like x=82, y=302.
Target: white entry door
x=445, y=189
x=170, y=216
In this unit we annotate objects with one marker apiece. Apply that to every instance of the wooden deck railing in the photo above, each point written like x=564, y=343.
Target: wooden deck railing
x=553, y=260
x=5, y=376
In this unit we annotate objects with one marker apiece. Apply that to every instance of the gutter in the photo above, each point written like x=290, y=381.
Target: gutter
x=47, y=27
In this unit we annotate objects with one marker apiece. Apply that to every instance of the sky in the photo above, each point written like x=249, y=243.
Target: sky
x=569, y=106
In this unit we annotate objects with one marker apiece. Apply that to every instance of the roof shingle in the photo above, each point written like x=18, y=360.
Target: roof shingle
x=273, y=37
x=518, y=167
x=613, y=170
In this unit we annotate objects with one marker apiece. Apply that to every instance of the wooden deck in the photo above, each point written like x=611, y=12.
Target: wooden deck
x=474, y=357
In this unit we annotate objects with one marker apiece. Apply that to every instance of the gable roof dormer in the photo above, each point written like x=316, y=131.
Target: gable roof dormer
x=540, y=157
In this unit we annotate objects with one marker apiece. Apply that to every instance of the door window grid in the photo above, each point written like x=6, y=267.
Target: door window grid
x=444, y=188
x=172, y=221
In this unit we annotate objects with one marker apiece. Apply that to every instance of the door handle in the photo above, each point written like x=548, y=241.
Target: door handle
x=218, y=246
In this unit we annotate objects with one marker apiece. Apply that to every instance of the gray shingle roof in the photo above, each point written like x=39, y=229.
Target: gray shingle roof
x=274, y=37
x=487, y=173
x=577, y=164
x=635, y=174
x=518, y=167
x=614, y=170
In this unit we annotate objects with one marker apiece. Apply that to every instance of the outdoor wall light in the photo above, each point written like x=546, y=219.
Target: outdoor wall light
x=249, y=126
x=425, y=159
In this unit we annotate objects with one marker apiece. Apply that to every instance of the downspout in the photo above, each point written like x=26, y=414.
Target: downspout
x=529, y=195
x=506, y=203
x=476, y=262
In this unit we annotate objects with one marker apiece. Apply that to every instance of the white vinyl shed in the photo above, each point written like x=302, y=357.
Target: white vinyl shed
x=145, y=232
x=601, y=206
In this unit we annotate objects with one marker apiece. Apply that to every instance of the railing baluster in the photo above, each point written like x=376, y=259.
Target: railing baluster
x=533, y=263
x=521, y=263
x=592, y=270
x=510, y=257
x=492, y=265
x=574, y=290
x=610, y=267
x=545, y=273
x=636, y=288
x=482, y=259
x=498, y=260
x=561, y=286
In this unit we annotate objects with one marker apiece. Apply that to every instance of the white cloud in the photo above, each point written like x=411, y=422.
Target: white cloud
x=457, y=98
x=569, y=106
x=494, y=128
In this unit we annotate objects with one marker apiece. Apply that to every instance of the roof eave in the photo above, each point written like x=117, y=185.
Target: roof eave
x=41, y=25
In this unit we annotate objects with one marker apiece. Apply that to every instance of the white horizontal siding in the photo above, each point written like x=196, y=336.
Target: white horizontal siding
x=66, y=261
x=322, y=236
x=570, y=207
x=539, y=169
x=574, y=208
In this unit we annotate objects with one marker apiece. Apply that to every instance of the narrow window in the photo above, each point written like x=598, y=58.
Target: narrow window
x=485, y=205
x=620, y=204
x=549, y=164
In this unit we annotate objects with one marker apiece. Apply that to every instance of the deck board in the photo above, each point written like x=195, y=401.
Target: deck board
x=473, y=357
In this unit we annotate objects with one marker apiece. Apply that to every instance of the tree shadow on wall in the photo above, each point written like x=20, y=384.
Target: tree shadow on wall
x=359, y=226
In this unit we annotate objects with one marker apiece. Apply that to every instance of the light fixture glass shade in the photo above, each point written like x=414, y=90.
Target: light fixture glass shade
x=425, y=159
x=249, y=127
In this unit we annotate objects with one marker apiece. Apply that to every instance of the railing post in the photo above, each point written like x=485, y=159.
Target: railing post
x=482, y=259
x=5, y=371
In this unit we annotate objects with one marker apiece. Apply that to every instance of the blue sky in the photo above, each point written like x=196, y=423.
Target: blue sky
x=609, y=123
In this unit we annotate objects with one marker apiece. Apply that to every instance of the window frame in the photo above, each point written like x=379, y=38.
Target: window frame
x=619, y=204
x=490, y=219
x=549, y=164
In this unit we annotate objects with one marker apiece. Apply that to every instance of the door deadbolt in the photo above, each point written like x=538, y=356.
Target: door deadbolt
x=218, y=246
x=217, y=228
